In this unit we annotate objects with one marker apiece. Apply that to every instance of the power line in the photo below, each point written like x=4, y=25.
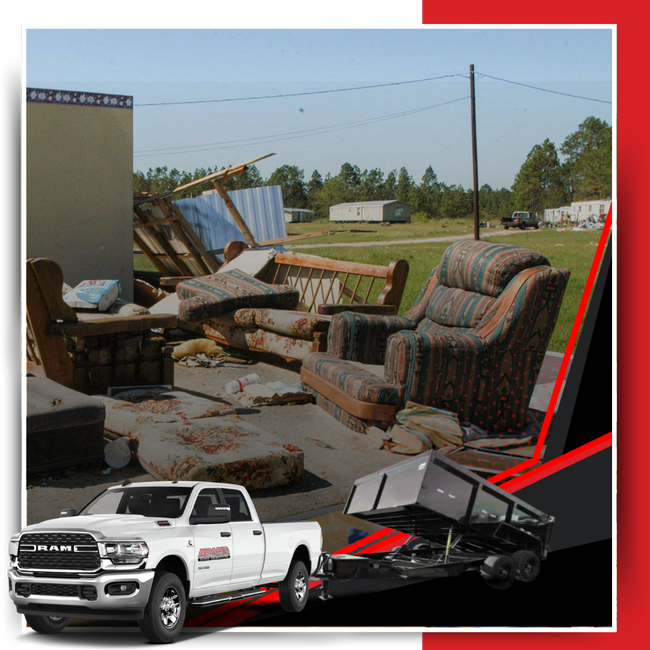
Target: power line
x=303, y=94
x=291, y=135
x=546, y=90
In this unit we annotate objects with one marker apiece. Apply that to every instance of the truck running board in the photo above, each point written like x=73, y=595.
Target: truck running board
x=206, y=601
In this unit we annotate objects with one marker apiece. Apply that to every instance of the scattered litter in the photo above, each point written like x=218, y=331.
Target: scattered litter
x=93, y=294
x=108, y=470
x=559, y=244
x=194, y=346
x=117, y=454
x=273, y=393
x=238, y=385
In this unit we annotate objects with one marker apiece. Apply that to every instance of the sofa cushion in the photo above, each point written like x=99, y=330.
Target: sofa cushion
x=211, y=296
x=297, y=324
x=485, y=268
x=352, y=379
x=457, y=307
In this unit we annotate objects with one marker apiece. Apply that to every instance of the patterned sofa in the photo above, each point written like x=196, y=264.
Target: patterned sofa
x=473, y=343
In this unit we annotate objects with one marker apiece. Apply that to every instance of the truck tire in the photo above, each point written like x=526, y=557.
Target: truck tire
x=499, y=571
x=536, y=226
x=506, y=227
x=527, y=565
x=164, y=614
x=523, y=226
x=47, y=624
x=294, y=589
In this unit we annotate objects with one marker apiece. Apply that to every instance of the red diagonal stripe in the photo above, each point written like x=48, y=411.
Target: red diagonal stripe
x=565, y=359
x=555, y=465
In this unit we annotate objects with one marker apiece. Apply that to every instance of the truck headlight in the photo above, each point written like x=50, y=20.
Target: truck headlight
x=124, y=552
x=12, y=550
x=13, y=547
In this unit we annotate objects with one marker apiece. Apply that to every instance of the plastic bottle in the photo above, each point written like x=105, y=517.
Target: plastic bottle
x=237, y=385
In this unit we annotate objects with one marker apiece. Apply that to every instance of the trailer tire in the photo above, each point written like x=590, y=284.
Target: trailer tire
x=294, y=589
x=47, y=624
x=527, y=564
x=499, y=571
x=164, y=613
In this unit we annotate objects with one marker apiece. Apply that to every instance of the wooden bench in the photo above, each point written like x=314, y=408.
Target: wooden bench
x=327, y=287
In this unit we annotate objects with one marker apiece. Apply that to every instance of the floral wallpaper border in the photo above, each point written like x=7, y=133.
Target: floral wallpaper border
x=78, y=98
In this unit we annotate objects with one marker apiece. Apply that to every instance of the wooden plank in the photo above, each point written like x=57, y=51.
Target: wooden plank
x=235, y=213
x=112, y=325
x=340, y=266
x=162, y=243
x=290, y=238
x=230, y=171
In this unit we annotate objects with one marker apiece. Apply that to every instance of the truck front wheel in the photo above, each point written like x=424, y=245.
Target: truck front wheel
x=164, y=614
x=47, y=624
x=294, y=589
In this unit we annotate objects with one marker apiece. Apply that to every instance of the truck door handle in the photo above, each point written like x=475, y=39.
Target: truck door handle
x=225, y=534
x=257, y=532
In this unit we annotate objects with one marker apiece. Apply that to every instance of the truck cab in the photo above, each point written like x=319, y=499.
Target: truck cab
x=145, y=551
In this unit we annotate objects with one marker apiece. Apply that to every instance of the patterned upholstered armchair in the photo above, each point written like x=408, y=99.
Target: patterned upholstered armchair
x=473, y=343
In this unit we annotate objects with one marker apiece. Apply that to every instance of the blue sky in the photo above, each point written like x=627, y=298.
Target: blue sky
x=191, y=65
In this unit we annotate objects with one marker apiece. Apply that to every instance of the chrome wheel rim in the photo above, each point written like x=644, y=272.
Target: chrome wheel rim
x=300, y=586
x=170, y=607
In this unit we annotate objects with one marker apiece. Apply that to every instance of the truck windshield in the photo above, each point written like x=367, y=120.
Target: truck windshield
x=166, y=502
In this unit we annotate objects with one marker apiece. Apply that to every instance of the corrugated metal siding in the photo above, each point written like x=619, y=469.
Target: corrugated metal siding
x=261, y=208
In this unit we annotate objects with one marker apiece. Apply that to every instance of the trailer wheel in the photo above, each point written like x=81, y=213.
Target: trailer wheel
x=499, y=571
x=294, y=589
x=47, y=624
x=165, y=612
x=527, y=565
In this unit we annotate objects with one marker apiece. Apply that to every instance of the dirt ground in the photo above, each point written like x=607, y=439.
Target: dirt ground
x=335, y=456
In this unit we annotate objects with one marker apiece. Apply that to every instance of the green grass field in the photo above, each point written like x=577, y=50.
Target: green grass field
x=415, y=230
x=571, y=250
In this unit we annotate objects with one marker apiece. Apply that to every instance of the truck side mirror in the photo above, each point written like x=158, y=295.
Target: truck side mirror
x=217, y=513
x=68, y=512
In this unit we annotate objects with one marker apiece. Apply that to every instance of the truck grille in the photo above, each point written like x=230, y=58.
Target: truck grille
x=78, y=551
x=85, y=592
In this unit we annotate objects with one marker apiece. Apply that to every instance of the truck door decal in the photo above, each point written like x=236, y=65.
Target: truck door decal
x=214, y=553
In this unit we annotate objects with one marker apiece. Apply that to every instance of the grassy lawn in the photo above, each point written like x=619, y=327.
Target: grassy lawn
x=377, y=232
x=571, y=250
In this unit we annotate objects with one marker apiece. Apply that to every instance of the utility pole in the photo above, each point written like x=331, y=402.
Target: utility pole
x=477, y=235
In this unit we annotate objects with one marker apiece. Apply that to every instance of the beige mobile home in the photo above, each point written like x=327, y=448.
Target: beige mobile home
x=372, y=211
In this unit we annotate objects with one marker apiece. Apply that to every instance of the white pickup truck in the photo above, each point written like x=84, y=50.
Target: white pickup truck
x=147, y=551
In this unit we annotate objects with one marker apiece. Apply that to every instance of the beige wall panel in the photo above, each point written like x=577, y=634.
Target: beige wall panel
x=80, y=190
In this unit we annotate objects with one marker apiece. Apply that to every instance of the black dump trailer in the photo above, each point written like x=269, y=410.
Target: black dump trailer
x=457, y=522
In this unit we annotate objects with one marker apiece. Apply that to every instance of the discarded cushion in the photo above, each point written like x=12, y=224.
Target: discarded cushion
x=212, y=296
x=182, y=437
x=64, y=427
x=284, y=321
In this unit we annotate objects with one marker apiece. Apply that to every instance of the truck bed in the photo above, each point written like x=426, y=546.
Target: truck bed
x=429, y=496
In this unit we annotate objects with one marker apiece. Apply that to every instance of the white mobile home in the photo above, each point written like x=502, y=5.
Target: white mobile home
x=298, y=215
x=557, y=214
x=582, y=210
x=372, y=211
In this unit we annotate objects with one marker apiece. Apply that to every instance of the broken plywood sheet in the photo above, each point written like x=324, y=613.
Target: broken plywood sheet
x=253, y=261
x=180, y=437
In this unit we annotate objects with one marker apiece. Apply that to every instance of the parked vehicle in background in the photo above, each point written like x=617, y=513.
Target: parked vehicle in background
x=521, y=220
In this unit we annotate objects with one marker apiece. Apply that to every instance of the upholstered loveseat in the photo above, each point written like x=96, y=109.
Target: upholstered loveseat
x=472, y=343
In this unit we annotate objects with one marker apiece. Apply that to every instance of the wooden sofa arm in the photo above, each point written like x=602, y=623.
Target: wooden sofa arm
x=381, y=310
x=109, y=325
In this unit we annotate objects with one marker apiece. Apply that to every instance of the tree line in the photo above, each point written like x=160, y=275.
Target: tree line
x=543, y=181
